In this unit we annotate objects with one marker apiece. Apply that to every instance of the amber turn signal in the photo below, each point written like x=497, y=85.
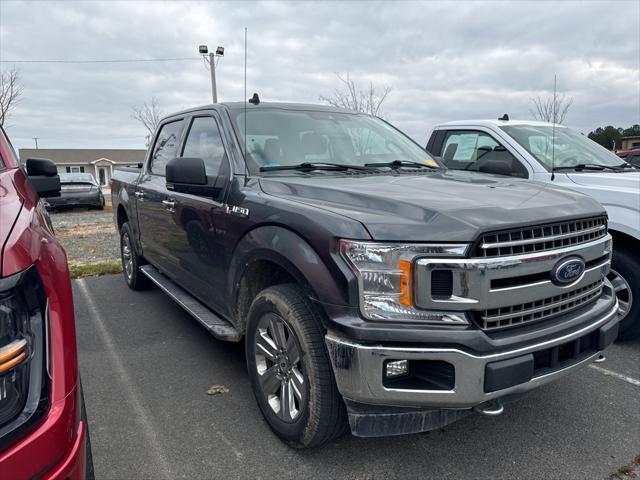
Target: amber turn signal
x=13, y=354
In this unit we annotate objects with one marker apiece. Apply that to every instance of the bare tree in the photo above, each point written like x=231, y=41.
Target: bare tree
x=352, y=97
x=553, y=108
x=10, y=92
x=149, y=115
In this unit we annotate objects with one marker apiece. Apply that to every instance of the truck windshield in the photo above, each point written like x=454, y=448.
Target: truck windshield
x=571, y=148
x=281, y=137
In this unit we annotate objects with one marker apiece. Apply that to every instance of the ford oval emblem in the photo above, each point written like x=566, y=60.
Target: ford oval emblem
x=567, y=271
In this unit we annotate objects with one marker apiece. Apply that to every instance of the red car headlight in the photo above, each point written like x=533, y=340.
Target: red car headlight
x=23, y=376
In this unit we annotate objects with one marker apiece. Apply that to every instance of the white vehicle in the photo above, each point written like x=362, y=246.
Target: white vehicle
x=548, y=153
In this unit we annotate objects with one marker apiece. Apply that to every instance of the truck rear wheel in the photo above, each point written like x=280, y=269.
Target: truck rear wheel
x=289, y=368
x=131, y=261
x=625, y=278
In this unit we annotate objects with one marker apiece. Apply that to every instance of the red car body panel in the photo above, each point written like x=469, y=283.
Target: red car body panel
x=54, y=447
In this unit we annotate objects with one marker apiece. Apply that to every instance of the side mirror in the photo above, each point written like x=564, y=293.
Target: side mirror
x=43, y=175
x=188, y=175
x=497, y=167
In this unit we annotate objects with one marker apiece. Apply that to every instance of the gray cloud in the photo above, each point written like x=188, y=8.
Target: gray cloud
x=444, y=60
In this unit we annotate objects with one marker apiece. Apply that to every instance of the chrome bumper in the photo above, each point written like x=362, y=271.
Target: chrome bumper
x=359, y=368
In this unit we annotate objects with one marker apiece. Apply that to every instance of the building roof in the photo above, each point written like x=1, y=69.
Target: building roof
x=84, y=156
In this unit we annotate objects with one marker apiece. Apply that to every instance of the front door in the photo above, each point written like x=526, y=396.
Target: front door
x=198, y=226
x=155, y=212
x=102, y=176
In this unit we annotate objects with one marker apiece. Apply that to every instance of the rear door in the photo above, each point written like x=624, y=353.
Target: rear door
x=154, y=213
x=197, y=239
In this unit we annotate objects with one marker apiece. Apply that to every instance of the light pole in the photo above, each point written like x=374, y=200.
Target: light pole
x=204, y=50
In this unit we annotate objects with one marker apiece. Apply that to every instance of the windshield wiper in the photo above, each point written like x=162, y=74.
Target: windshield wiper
x=622, y=166
x=400, y=164
x=310, y=166
x=589, y=166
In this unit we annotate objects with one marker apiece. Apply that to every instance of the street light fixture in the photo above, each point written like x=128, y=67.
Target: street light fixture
x=204, y=50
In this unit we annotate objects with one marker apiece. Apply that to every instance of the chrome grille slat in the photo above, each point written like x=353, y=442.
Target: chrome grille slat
x=541, y=238
x=517, y=315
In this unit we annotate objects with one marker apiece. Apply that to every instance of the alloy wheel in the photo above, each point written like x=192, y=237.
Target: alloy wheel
x=279, y=366
x=127, y=256
x=623, y=292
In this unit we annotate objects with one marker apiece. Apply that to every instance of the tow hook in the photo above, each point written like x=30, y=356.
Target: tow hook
x=601, y=358
x=491, y=408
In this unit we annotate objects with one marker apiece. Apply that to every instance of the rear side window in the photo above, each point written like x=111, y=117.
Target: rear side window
x=166, y=146
x=204, y=141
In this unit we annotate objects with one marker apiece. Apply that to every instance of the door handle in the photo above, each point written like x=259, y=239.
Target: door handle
x=139, y=195
x=170, y=204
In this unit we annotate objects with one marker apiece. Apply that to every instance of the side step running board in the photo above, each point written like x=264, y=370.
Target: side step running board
x=217, y=326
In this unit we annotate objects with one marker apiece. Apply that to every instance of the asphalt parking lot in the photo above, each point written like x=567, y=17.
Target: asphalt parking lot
x=146, y=366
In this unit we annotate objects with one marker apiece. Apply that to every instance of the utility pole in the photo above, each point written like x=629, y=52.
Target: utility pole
x=36, y=140
x=204, y=50
x=214, y=87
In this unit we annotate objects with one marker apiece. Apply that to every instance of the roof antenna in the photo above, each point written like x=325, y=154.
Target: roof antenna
x=553, y=133
x=504, y=118
x=246, y=168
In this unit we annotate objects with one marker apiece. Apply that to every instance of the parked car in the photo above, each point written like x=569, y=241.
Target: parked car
x=43, y=426
x=630, y=156
x=368, y=282
x=78, y=190
x=560, y=156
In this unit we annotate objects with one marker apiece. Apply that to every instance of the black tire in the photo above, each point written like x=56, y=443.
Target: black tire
x=321, y=411
x=89, y=471
x=136, y=280
x=626, y=265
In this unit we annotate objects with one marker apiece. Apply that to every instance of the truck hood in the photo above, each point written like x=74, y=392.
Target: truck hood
x=628, y=181
x=449, y=206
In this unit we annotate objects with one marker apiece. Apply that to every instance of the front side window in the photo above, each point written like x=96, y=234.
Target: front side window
x=277, y=136
x=204, y=141
x=479, y=152
x=166, y=146
x=561, y=147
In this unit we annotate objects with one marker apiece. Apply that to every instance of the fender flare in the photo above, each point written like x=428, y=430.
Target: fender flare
x=294, y=254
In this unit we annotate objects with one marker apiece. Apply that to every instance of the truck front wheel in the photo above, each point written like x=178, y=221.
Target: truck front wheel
x=290, y=370
x=625, y=278
x=135, y=279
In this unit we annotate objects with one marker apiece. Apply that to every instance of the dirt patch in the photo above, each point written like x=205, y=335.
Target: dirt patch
x=87, y=237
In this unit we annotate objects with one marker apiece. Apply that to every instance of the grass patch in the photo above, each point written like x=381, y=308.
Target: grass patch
x=95, y=269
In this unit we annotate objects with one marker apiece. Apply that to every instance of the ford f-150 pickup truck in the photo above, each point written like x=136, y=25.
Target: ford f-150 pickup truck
x=368, y=282
x=544, y=152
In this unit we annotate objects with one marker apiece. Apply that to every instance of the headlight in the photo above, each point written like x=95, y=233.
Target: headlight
x=23, y=379
x=385, y=275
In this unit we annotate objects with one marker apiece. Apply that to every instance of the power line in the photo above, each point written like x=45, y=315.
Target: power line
x=132, y=60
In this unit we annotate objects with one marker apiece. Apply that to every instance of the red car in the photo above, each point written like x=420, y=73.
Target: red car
x=43, y=427
x=631, y=156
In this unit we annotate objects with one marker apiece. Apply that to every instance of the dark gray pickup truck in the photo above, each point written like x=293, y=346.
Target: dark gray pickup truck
x=368, y=282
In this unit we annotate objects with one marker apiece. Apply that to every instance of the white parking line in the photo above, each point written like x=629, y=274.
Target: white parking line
x=128, y=387
x=620, y=376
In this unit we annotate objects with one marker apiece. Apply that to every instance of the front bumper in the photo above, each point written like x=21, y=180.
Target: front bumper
x=478, y=378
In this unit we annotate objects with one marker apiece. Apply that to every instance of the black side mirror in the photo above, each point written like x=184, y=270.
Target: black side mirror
x=43, y=175
x=497, y=167
x=188, y=175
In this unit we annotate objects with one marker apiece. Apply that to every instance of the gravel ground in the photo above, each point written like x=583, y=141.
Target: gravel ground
x=87, y=236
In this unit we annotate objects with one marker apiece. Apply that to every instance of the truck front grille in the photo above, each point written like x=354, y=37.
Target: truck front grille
x=539, y=310
x=541, y=237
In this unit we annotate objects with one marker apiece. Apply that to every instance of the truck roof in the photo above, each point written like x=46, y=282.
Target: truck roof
x=499, y=123
x=283, y=105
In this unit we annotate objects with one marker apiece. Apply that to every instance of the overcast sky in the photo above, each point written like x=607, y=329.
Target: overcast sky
x=445, y=61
